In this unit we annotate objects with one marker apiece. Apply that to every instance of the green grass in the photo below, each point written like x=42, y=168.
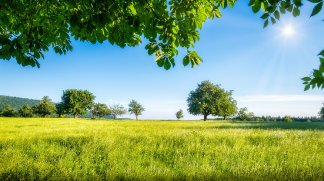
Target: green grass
x=76, y=149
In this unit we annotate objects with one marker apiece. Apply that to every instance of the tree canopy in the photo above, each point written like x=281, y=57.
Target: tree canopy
x=244, y=114
x=135, y=108
x=227, y=106
x=7, y=111
x=45, y=107
x=60, y=109
x=100, y=110
x=210, y=99
x=77, y=102
x=26, y=111
x=28, y=29
x=179, y=114
x=117, y=110
x=321, y=112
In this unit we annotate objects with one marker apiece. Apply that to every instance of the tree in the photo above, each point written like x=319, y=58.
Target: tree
x=60, y=110
x=244, y=114
x=206, y=99
x=100, y=110
x=117, y=110
x=176, y=23
x=227, y=106
x=7, y=111
x=179, y=114
x=26, y=111
x=135, y=108
x=77, y=102
x=321, y=113
x=45, y=107
x=167, y=25
x=287, y=119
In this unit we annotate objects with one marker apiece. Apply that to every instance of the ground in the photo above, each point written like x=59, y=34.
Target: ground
x=80, y=149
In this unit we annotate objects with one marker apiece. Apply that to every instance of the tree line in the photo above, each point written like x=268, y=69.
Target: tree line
x=207, y=99
x=74, y=103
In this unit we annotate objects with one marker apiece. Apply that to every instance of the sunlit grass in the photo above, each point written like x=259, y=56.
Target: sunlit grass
x=147, y=150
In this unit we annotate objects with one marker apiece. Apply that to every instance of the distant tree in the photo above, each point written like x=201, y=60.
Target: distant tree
x=26, y=111
x=8, y=111
x=207, y=99
x=135, y=108
x=287, y=119
x=243, y=114
x=100, y=110
x=321, y=113
x=227, y=106
x=179, y=114
x=45, y=107
x=117, y=110
x=77, y=102
x=60, y=110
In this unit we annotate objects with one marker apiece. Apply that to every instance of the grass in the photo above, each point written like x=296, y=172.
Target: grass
x=76, y=149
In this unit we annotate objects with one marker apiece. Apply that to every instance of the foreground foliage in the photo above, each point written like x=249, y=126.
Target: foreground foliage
x=59, y=149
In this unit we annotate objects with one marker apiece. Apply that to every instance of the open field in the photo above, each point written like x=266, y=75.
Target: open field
x=76, y=149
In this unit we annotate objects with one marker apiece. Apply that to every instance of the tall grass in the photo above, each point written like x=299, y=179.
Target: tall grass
x=76, y=149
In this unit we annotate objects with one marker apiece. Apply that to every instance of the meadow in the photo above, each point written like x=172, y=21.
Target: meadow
x=81, y=149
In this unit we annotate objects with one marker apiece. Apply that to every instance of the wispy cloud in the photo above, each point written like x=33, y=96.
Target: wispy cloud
x=280, y=98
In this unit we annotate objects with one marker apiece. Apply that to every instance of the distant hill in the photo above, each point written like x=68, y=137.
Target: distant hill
x=16, y=102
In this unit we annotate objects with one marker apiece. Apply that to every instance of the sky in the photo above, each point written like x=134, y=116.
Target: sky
x=264, y=67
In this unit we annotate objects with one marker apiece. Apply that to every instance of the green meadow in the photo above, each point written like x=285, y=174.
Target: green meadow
x=81, y=149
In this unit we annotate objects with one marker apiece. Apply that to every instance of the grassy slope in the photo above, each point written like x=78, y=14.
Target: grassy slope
x=84, y=149
x=16, y=102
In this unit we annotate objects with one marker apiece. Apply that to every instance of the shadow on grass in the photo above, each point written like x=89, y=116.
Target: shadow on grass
x=268, y=125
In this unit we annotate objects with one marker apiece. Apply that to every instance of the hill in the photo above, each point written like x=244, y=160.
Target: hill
x=16, y=102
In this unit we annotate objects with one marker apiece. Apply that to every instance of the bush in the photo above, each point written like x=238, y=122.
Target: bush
x=287, y=119
x=8, y=111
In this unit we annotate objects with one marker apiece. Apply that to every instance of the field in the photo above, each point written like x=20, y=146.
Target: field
x=79, y=149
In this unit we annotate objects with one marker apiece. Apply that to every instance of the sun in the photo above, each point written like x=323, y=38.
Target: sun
x=288, y=31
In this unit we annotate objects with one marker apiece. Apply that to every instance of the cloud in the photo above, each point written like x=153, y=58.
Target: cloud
x=281, y=98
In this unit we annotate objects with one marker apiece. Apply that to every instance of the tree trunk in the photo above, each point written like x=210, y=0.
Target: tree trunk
x=74, y=115
x=205, y=117
x=224, y=117
x=136, y=117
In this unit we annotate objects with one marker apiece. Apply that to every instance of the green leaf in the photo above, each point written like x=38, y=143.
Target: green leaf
x=167, y=65
x=251, y=2
x=315, y=1
x=296, y=12
x=186, y=60
x=160, y=63
x=273, y=21
x=321, y=53
x=265, y=16
x=290, y=8
x=317, y=9
x=306, y=79
x=282, y=10
x=307, y=87
x=277, y=15
x=266, y=23
x=256, y=6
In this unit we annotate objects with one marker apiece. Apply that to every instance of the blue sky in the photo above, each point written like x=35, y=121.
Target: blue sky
x=262, y=66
